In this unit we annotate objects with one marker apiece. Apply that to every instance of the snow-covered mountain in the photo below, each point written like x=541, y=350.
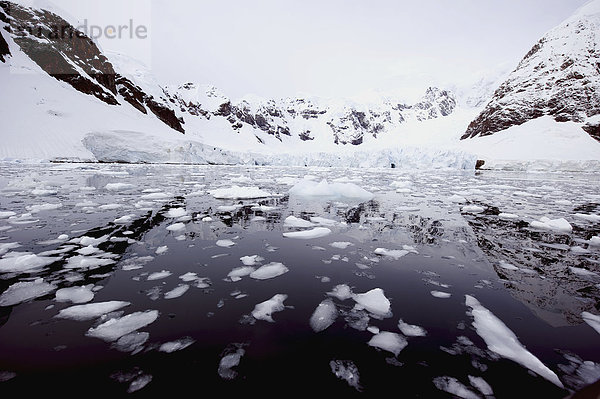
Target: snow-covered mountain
x=559, y=77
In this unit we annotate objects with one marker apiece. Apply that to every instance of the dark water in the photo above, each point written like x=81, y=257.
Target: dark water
x=457, y=252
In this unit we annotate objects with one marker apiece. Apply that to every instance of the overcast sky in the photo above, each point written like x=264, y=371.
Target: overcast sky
x=330, y=48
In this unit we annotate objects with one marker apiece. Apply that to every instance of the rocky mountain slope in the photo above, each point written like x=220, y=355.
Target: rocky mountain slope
x=558, y=77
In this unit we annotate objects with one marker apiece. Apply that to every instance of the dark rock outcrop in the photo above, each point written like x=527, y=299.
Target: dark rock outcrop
x=4, y=50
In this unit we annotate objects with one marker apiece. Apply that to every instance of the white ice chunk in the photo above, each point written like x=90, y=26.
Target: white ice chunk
x=271, y=270
x=155, y=196
x=501, y=340
x=510, y=216
x=592, y=319
x=392, y=253
x=174, y=213
x=441, y=294
x=341, y=244
x=161, y=250
x=347, y=371
x=454, y=387
x=588, y=217
x=239, y=272
x=228, y=362
x=118, y=186
x=91, y=311
x=24, y=291
x=389, y=341
x=481, y=385
x=411, y=330
x=75, y=294
x=159, y=275
x=177, y=291
x=293, y=221
x=458, y=199
x=5, y=247
x=43, y=207
x=595, y=241
x=317, y=232
x=85, y=262
x=173, y=346
x=225, y=243
x=7, y=214
x=324, y=189
x=560, y=225
x=472, y=209
x=264, y=310
x=176, y=227
x=341, y=292
x=323, y=316
x=251, y=260
x=374, y=301
x=24, y=262
x=237, y=192
x=323, y=221
x=582, y=272
x=507, y=266
x=113, y=329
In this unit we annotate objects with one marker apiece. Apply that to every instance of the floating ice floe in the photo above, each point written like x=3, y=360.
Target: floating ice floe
x=124, y=219
x=75, y=294
x=176, y=227
x=237, y=192
x=265, y=310
x=324, y=189
x=588, y=217
x=454, y=387
x=388, y=341
x=113, y=329
x=458, y=199
x=239, y=272
x=160, y=196
x=592, y=320
x=174, y=346
x=374, y=302
x=174, y=213
x=323, y=221
x=509, y=216
x=347, y=371
x=177, y=291
x=411, y=330
x=481, y=385
x=472, y=209
x=225, y=243
x=161, y=250
x=24, y=291
x=43, y=207
x=91, y=311
x=159, y=275
x=341, y=292
x=317, y=232
x=545, y=223
x=110, y=207
x=293, y=221
x=118, y=186
x=582, y=272
x=19, y=262
x=251, y=260
x=7, y=214
x=42, y=192
x=131, y=342
x=323, y=316
x=395, y=253
x=441, y=294
x=228, y=362
x=501, y=340
x=87, y=262
x=507, y=266
x=341, y=244
x=594, y=241
x=7, y=246
x=271, y=270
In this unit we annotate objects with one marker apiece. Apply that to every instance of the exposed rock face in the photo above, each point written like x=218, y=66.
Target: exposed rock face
x=560, y=76
x=4, y=50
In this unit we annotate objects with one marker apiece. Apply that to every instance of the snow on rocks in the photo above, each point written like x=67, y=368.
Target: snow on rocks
x=91, y=311
x=388, y=341
x=75, y=294
x=113, y=329
x=324, y=189
x=272, y=270
x=265, y=310
x=317, y=232
x=24, y=291
x=545, y=223
x=592, y=320
x=501, y=340
x=323, y=316
x=237, y=192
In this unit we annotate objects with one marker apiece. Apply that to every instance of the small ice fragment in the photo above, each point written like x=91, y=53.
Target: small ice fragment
x=560, y=225
x=411, y=330
x=118, y=186
x=500, y=339
x=139, y=383
x=458, y=199
x=510, y=216
x=75, y=294
x=239, y=272
x=323, y=316
x=189, y=276
x=207, y=219
x=161, y=250
x=373, y=329
x=228, y=362
x=264, y=310
x=24, y=291
x=323, y=221
x=341, y=292
x=271, y=270
x=7, y=214
x=374, y=301
x=389, y=341
x=113, y=329
x=396, y=254
x=173, y=346
x=481, y=385
x=131, y=342
x=507, y=266
x=595, y=241
x=225, y=243
x=592, y=319
x=159, y=275
x=347, y=371
x=176, y=227
x=43, y=207
x=251, y=260
x=91, y=311
x=441, y=294
x=177, y=291
x=293, y=221
x=472, y=209
x=174, y=213
x=317, y=232
x=324, y=189
x=24, y=262
x=85, y=262
x=341, y=245
x=454, y=387
x=237, y=192
x=582, y=272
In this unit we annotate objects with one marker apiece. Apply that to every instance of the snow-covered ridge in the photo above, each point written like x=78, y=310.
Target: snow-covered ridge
x=559, y=76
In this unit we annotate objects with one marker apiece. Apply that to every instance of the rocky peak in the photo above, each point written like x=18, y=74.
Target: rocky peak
x=559, y=76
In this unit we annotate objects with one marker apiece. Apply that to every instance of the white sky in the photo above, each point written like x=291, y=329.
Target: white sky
x=329, y=48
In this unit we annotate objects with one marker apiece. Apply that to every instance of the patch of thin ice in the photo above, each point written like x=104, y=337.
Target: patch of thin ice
x=341, y=244
x=173, y=346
